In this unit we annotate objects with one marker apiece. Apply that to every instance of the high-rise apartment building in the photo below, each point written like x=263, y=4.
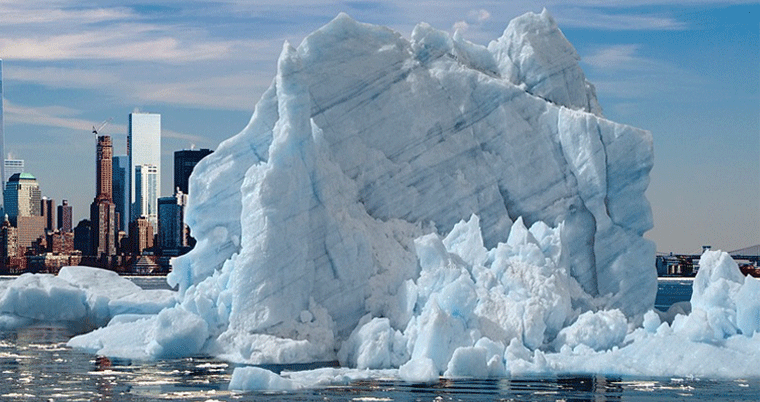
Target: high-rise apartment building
x=172, y=236
x=11, y=167
x=64, y=217
x=146, y=194
x=143, y=148
x=121, y=190
x=102, y=209
x=184, y=163
x=47, y=209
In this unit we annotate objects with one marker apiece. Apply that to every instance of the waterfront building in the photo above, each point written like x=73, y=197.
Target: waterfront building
x=172, y=234
x=121, y=190
x=47, y=209
x=65, y=217
x=143, y=148
x=184, y=163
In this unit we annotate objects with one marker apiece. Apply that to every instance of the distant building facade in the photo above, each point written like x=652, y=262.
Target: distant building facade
x=146, y=194
x=141, y=235
x=83, y=237
x=65, y=217
x=172, y=234
x=121, y=190
x=143, y=148
x=47, y=209
x=11, y=167
x=8, y=240
x=184, y=163
x=102, y=209
x=22, y=196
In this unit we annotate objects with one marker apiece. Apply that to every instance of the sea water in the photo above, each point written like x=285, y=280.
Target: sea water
x=35, y=364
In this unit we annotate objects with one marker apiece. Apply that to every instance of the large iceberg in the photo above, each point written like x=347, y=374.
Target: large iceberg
x=429, y=207
x=306, y=221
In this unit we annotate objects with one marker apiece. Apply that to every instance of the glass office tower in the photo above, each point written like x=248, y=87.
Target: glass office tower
x=143, y=148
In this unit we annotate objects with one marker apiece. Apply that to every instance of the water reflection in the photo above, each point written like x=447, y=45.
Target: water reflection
x=35, y=364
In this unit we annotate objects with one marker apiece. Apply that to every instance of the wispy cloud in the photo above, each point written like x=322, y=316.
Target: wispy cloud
x=474, y=17
x=62, y=117
x=47, y=12
x=59, y=77
x=621, y=57
x=123, y=42
x=621, y=20
x=624, y=72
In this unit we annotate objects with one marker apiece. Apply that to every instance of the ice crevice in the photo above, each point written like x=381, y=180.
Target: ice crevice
x=427, y=207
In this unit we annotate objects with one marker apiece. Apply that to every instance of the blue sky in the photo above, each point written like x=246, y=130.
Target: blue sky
x=688, y=71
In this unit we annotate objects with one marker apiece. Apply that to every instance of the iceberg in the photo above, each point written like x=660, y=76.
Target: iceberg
x=425, y=207
x=306, y=220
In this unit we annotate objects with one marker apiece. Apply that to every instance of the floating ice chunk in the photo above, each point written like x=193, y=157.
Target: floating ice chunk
x=178, y=333
x=83, y=296
x=44, y=297
x=419, y=370
x=256, y=378
x=468, y=362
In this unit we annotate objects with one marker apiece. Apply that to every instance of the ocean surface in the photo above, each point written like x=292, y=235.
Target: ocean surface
x=35, y=364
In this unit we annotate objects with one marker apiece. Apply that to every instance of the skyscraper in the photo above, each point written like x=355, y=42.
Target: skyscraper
x=23, y=201
x=143, y=148
x=2, y=127
x=103, y=169
x=146, y=194
x=121, y=190
x=47, y=209
x=12, y=166
x=184, y=163
x=171, y=227
x=102, y=209
x=22, y=196
x=64, y=217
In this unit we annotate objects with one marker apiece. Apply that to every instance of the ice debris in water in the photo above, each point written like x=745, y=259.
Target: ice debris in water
x=318, y=225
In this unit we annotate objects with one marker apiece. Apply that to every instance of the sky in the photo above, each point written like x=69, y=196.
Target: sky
x=688, y=71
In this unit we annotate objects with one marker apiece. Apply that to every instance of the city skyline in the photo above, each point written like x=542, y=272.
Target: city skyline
x=687, y=71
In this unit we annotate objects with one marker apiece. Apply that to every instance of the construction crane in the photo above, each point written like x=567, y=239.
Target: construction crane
x=100, y=127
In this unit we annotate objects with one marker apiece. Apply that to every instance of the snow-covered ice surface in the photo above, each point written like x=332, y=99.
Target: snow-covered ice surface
x=427, y=207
